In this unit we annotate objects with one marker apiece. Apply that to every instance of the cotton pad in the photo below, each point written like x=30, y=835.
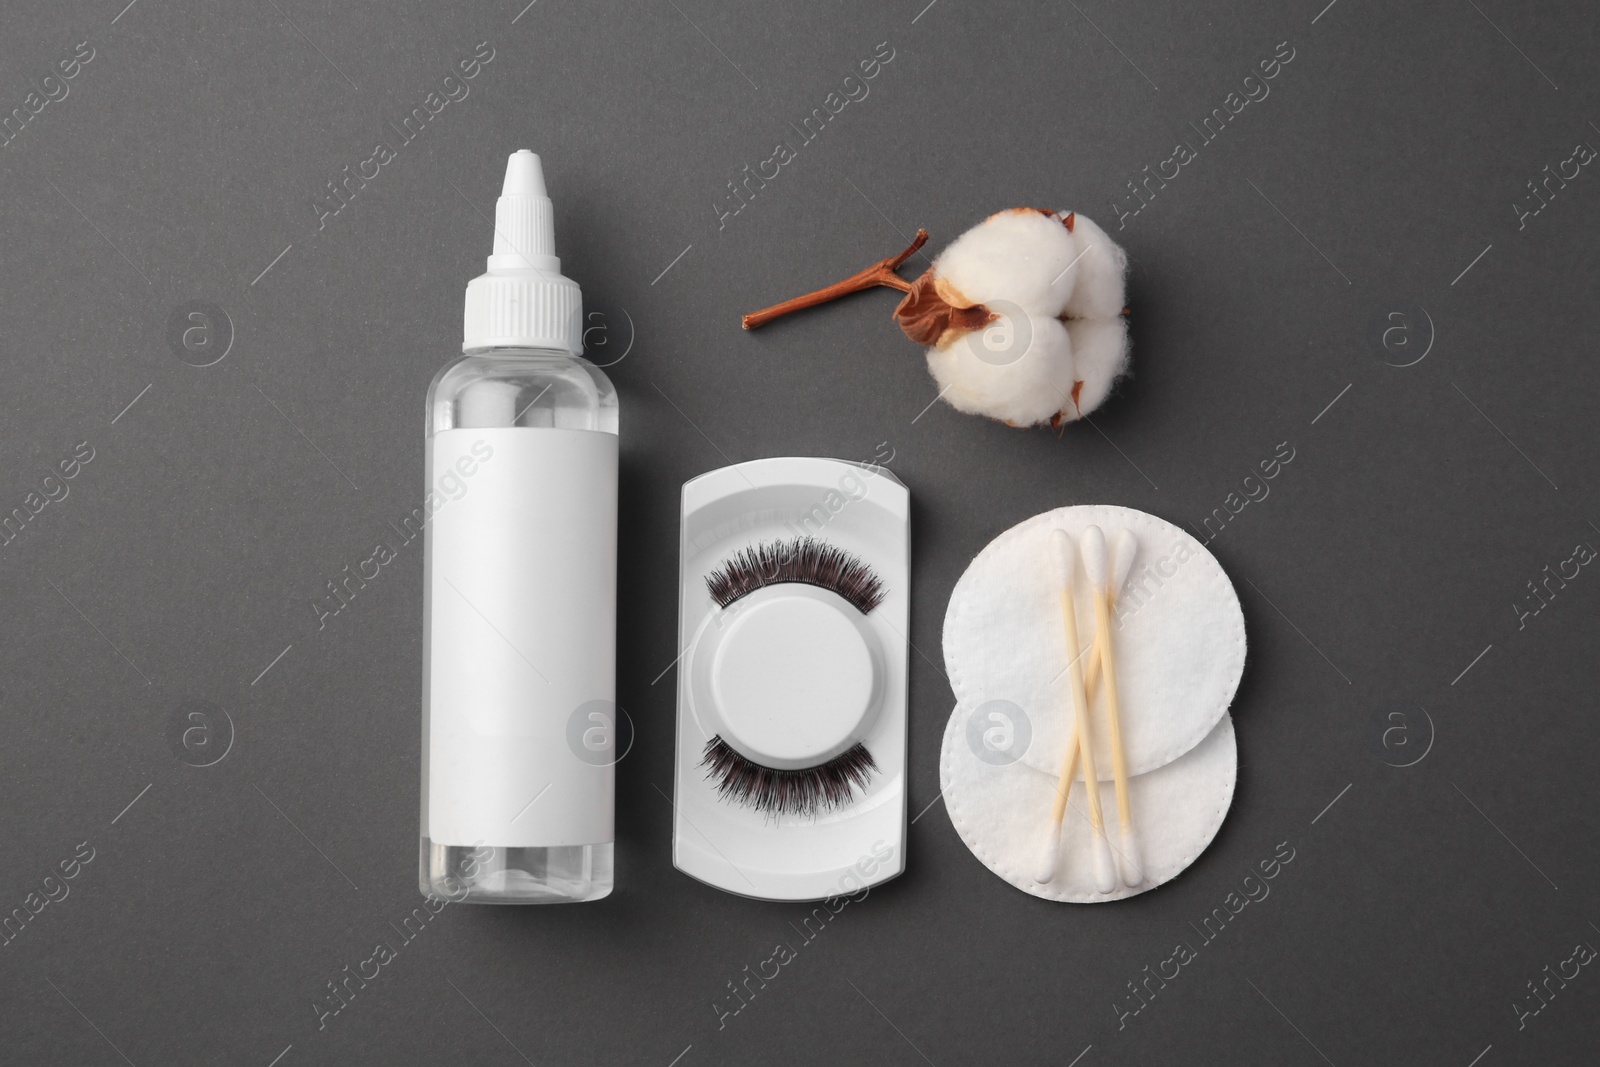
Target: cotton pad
x=1178, y=628
x=1178, y=645
x=1000, y=811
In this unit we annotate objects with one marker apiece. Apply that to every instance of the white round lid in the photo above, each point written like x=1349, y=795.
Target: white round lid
x=794, y=676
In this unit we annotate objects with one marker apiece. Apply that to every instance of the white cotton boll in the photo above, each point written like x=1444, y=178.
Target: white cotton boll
x=1018, y=258
x=1099, y=292
x=1019, y=369
x=1100, y=357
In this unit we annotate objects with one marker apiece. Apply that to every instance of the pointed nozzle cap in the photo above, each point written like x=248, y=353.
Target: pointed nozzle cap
x=524, y=175
x=524, y=224
x=522, y=300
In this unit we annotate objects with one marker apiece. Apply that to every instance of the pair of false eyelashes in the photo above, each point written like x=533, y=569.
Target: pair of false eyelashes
x=805, y=790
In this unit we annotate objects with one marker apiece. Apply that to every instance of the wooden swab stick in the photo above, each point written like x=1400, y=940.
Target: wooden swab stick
x=1095, y=568
x=1104, y=873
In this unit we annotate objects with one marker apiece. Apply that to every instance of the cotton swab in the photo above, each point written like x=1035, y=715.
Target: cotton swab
x=1124, y=547
x=1123, y=550
x=1093, y=545
x=1104, y=873
x=1069, y=771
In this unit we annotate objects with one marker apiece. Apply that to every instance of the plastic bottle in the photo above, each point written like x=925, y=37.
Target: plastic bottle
x=519, y=609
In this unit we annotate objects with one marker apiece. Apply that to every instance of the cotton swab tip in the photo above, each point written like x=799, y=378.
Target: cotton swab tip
x=1065, y=554
x=1124, y=549
x=1105, y=875
x=1132, y=862
x=1050, y=857
x=1093, y=546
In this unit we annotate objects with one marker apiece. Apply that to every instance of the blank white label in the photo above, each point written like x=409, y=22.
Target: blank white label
x=520, y=622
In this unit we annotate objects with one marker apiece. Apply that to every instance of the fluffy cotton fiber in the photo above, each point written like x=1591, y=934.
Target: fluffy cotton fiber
x=1054, y=281
x=1022, y=257
x=1098, y=293
x=1099, y=357
x=1018, y=369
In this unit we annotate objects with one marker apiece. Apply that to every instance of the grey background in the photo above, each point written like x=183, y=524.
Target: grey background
x=1385, y=563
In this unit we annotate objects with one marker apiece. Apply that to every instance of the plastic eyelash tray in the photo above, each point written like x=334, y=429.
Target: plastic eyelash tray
x=1180, y=647
x=739, y=680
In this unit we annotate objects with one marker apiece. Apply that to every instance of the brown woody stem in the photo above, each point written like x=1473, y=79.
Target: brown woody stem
x=880, y=273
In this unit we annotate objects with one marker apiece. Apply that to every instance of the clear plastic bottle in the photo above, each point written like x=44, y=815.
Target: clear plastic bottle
x=520, y=576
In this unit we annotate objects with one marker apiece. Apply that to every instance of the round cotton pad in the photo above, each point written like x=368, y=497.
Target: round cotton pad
x=1002, y=812
x=1177, y=629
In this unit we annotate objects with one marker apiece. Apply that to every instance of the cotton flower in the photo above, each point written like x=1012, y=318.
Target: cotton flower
x=1022, y=315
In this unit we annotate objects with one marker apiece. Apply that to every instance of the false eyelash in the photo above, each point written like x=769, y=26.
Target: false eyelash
x=806, y=791
x=803, y=559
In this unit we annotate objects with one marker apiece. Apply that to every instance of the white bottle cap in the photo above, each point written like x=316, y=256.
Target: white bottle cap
x=523, y=301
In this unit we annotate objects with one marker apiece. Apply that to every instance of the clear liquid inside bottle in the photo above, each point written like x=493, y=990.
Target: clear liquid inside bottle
x=533, y=389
